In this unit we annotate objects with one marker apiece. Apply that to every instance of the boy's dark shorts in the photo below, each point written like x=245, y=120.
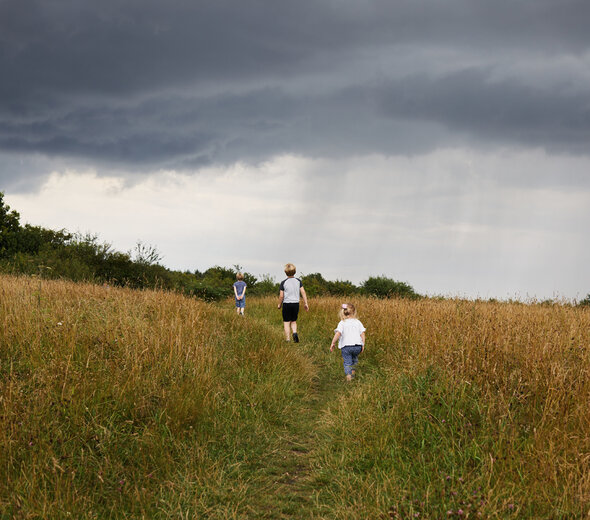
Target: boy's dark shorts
x=290, y=311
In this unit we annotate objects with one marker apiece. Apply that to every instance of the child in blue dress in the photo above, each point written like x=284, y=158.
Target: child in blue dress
x=240, y=293
x=350, y=335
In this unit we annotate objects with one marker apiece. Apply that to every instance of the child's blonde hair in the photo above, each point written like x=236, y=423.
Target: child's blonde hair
x=290, y=269
x=239, y=276
x=347, y=310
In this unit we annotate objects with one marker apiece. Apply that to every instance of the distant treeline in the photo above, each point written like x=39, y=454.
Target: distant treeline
x=35, y=250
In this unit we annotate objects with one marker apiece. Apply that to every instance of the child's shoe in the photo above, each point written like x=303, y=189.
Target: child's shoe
x=295, y=337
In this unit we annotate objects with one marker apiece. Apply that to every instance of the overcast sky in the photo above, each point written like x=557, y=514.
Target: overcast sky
x=441, y=143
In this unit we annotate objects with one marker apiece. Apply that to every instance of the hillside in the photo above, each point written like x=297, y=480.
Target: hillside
x=118, y=403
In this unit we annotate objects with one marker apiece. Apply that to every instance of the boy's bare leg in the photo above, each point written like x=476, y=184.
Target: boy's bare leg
x=287, y=326
x=294, y=329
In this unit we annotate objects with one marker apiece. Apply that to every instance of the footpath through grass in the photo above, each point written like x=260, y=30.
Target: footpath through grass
x=294, y=469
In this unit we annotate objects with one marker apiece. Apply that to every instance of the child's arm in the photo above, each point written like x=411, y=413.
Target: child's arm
x=281, y=298
x=363, y=338
x=236, y=293
x=334, y=340
x=243, y=293
x=304, y=296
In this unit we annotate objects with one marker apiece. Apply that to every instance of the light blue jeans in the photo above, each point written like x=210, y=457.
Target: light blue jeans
x=350, y=357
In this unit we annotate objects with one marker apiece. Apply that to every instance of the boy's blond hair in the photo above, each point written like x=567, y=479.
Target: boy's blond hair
x=347, y=310
x=239, y=276
x=290, y=270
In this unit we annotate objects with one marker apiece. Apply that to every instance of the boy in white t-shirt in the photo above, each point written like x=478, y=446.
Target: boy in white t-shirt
x=350, y=334
x=290, y=290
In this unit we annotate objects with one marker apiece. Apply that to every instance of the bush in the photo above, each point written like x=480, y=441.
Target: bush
x=210, y=293
x=316, y=285
x=383, y=287
x=342, y=288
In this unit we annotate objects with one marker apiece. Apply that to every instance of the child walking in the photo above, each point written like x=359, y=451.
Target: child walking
x=240, y=292
x=290, y=291
x=350, y=334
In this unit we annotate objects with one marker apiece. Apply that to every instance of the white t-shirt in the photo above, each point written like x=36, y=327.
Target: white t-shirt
x=291, y=287
x=350, y=330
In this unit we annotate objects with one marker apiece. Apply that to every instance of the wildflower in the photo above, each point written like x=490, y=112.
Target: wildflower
x=459, y=512
x=59, y=323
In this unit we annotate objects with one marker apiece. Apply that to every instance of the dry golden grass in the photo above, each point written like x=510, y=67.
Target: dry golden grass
x=498, y=393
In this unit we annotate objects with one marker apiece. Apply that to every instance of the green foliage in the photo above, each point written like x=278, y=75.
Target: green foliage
x=31, y=239
x=316, y=285
x=342, y=288
x=217, y=282
x=9, y=229
x=265, y=286
x=192, y=286
x=383, y=287
x=585, y=302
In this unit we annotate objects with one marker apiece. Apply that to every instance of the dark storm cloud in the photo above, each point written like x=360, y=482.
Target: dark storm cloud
x=471, y=102
x=149, y=84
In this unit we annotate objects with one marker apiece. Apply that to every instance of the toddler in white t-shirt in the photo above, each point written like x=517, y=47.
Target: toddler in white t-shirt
x=350, y=334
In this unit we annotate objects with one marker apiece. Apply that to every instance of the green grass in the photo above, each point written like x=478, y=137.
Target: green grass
x=123, y=404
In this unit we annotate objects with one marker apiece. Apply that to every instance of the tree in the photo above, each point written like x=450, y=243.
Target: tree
x=9, y=229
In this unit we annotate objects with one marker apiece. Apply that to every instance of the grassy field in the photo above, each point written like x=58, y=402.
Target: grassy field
x=126, y=404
